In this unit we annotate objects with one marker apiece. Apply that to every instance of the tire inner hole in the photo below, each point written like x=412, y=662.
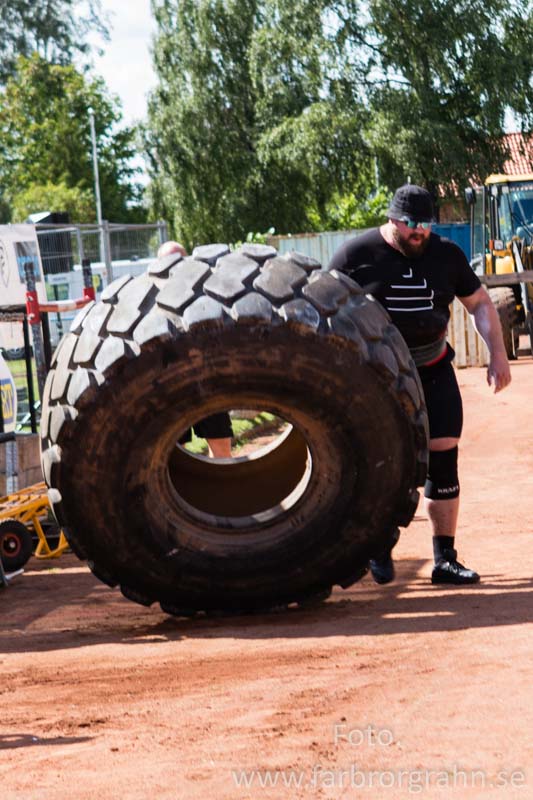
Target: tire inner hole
x=267, y=473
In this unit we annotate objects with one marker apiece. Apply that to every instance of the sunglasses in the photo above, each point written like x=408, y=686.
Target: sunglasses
x=413, y=223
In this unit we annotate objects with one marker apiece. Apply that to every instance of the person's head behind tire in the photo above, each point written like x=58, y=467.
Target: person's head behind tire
x=170, y=247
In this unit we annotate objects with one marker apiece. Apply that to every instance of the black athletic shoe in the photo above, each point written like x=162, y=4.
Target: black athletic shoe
x=382, y=566
x=448, y=570
x=382, y=569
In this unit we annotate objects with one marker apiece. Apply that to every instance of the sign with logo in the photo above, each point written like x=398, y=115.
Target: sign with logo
x=18, y=244
x=4, y=266
x=28, y=251
x=8, y=396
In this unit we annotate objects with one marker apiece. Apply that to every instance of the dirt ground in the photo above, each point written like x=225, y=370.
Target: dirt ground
x=386, y=692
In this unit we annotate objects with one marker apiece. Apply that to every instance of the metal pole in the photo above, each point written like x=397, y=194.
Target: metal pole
x=46, y=340
x=162, y=230
x=88, y=287
x=29, y=373
x=80, y=245
x=106, y=238
x=97, y=184
x=9, y=441
x=59, y=321
x=34, y=317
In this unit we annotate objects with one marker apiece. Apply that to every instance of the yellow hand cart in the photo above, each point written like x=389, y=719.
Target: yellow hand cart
x=22, y=514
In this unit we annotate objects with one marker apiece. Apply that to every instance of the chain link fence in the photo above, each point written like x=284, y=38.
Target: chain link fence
x=113, y=249
x=63, y=247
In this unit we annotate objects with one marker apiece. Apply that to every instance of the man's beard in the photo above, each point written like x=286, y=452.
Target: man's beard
x=407, y=248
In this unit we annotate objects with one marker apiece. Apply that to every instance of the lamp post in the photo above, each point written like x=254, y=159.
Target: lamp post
x=97, y=184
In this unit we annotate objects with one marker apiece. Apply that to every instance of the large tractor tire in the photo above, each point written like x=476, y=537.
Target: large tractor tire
x=505, y=302
x=213, y=332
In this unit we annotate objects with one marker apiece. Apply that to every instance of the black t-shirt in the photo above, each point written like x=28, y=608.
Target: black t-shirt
x=415, y=291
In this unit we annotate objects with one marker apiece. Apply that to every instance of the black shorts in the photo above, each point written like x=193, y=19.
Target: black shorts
x=443, y=398
x=216, y=426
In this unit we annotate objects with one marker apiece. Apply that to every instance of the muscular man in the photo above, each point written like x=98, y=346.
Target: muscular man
x=416, y=275
x=215, y=429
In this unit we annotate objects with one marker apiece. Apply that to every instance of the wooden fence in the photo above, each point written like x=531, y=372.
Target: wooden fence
x=470, y=349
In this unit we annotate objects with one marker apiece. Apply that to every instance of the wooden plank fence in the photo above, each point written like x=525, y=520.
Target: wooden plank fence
x=470, y=349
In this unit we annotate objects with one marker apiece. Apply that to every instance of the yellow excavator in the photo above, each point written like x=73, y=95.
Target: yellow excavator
x=501, y=220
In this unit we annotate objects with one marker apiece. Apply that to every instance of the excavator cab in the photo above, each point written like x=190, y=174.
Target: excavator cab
x=501, y=219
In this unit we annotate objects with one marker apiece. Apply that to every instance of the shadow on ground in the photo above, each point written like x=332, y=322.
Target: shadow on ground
x=62, y=609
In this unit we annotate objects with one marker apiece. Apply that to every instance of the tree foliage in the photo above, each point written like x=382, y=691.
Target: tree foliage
x=45, y=139
x=310, y=139
x=201, y=144
x=352, y=211
x=270, y=113
x=449, y=71
x=242, y=135
x=76, y=202
x=56, y=31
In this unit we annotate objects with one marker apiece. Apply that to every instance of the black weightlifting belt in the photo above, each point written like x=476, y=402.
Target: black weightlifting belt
x=429, y=353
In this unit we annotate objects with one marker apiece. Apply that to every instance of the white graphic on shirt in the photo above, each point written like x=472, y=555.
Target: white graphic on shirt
x=416, y=297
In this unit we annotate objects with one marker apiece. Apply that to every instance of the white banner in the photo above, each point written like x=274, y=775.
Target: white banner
x=18, y=244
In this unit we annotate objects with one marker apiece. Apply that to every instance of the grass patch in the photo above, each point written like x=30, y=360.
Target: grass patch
x=18, y=371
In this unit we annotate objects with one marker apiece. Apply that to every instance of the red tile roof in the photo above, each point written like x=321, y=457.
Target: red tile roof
x=521, y=154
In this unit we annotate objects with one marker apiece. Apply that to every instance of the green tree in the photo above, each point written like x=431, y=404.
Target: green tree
x=200, y=140
x=5, y=211
x=78, y=203
x=56, y=31
x=310, y=140
x=357, y=210
x=270, y=113
x=444, y=76
x=244, y=131
x=45, y=136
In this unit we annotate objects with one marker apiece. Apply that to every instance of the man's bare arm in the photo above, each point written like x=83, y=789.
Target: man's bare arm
x=487, y=323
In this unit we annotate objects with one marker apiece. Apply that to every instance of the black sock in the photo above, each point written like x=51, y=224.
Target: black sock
x=440, y=544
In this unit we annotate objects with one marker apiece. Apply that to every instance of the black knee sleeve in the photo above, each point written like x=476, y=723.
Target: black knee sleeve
x=442, y=481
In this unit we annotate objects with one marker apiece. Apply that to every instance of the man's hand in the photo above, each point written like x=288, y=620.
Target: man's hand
x=498, y=372
x=487, y=324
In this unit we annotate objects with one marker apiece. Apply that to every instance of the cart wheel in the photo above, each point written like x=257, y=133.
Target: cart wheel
x=16, y=544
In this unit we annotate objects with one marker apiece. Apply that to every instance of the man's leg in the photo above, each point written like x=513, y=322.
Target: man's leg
x=442, y=507
x=218, y=432
x=443, y=513
x=382, y=565
x=219, y=448
x=445, y=414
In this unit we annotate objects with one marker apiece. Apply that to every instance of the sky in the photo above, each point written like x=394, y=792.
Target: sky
x=126, y=65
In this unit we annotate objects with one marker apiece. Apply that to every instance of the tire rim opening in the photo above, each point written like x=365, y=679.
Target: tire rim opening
x=268, y=472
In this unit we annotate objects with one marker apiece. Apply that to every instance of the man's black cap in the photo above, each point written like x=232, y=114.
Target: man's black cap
x=412, y=201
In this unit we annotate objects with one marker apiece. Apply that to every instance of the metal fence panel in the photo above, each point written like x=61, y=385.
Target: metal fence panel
x=113, y=250
x=69, y=286
x=323, y=245
x=320, y=246
x=64, y=246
